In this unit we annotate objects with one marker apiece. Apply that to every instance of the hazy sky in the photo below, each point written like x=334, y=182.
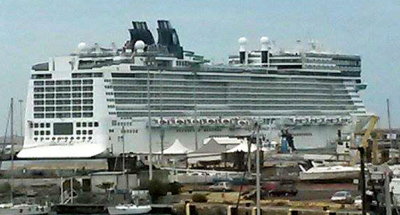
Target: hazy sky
x=33, y=31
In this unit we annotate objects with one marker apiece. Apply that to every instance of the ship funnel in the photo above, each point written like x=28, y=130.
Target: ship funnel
x=168, y=37
x=140, y=32
x=242, y=50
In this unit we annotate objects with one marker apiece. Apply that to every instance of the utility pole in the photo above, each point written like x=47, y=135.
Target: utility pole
x=149, y=124
x=12, y=149
x=21, y=117
x=257, y=130
x=389, y=123
x=388, y=199
x=362, y=180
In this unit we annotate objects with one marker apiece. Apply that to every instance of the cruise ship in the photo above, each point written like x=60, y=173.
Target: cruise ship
x=99, y=102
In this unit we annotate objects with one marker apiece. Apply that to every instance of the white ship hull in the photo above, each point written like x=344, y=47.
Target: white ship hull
x=24, y=210
x=129, y=209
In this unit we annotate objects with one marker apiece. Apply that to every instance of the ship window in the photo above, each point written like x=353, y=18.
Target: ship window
x=83, y=124
x=83, y=132
x=49, y=102
x=76, y=115
x=63, y=128
x=76, y=88
x=47, y=132
x=90, y=138
x=76, y=101
x=49, y=108
x=38, y=108
x=88, y=81
x=42, y=125
x=88, y=88
x=63, y=115
x=88, y=101
x=41, y=132
x=78, y=124
x=87, y=107
x=53, y=138
x=50, y=95
x=38, y=102
x=83, y=138
x=78, y=138
x=63, y=82
x=76, y=95
x=49, y=82
x=76, y=81
x=63, y=95
x=96, y=124
x=49, y=115
x=63, y=102
x=37, y=89
x=76, y=108
x=90, y=124
x=38, y=96
x=36, y=125
x=90, y=131
x=49, y=89
x=38, y=83
x=47, y=125
x=63, y=89
x=36, y=139
x=87, y=114
x=87, y=94
x=78, y=132
x=36, y=132
x=111, y=130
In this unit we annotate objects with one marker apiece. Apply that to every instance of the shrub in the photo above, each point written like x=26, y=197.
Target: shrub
x=199, y=198
x=5, y=187
x=157, y=189
x=174, y=188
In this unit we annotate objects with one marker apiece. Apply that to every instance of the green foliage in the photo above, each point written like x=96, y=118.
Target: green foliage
x=75, y=183
x=199, y=198
x=5, y=187
x=157, y=189
x=105, y=185
x=84, y=198
x=174, y=188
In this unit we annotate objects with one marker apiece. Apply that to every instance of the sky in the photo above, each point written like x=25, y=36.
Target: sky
x=33, y=31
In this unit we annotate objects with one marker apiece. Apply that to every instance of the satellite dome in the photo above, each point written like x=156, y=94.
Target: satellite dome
x=139, y=45
x=264, y=40
x=82, y=46
x=242, y=40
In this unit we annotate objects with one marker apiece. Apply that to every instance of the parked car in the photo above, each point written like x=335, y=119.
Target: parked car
x=279, y=188
x=221, y=186
x=343, y=197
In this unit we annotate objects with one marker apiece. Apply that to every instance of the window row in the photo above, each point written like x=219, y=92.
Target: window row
x=62, y=115
x=63, y=82
x=61, y=138
x=84, y=132
x=87, y=124
x=63, y=108
x=63, y=102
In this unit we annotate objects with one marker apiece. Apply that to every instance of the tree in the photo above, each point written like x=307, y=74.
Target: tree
x=106, y=186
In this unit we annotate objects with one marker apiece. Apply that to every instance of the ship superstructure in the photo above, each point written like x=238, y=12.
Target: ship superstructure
x=89, y=103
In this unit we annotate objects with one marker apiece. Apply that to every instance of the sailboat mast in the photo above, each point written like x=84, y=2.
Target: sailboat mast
x=12, y=148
